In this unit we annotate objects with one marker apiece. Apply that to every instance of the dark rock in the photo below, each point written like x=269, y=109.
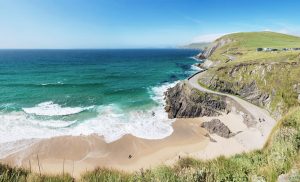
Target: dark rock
x=216, y=126
x=185, y=102
x=248, y=120
x=201, y=56
x=247, y=90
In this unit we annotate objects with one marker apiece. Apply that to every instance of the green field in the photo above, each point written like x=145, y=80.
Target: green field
x=274, y=73
x=243, y=46
x=253, y=40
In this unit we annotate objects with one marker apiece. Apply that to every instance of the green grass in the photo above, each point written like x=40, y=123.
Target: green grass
x=253, y=40
x=9, y=174
x=281, y=152
x=274, y=73
x=279, y=156
x=277, y=80
x=243, y=46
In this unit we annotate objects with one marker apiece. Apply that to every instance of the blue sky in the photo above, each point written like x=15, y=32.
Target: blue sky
x=137, y=23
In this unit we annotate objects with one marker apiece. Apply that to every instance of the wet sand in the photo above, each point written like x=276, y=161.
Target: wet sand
x=78, y=154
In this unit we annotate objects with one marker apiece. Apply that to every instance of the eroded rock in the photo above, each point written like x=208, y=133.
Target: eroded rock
x=182, y=101
x=211, y=49
x=215, y=126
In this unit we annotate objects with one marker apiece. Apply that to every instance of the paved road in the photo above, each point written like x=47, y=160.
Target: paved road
x=257, y=113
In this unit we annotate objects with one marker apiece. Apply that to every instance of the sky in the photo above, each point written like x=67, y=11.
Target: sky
x=68, y=24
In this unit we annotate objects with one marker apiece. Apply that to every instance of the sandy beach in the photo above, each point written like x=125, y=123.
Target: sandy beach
x=78, y=154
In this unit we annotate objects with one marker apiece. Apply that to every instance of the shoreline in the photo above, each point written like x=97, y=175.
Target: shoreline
x=78, y=154
x=89, y=152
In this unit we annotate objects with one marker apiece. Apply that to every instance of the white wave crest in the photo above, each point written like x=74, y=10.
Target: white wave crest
x=195, y=68
x=152, y=124
x=52, y=109
x=157, y=92
x=111, y=122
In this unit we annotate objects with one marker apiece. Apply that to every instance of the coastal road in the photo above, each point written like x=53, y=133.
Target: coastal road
x=259, y=115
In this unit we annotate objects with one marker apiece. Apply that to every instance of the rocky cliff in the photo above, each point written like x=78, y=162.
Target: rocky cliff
x=217, y=127
x=213, y=47
x=273, y=86
x=267, y=79
x=184, y=102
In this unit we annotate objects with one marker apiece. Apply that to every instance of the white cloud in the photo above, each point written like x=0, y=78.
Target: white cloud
x=207, y=37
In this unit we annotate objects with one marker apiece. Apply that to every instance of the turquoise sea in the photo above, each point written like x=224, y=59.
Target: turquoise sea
x=46, y=93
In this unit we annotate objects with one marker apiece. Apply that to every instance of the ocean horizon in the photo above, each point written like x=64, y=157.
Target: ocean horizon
x=109, y=92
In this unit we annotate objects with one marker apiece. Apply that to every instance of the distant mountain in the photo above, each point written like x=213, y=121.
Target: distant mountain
x=199, y=45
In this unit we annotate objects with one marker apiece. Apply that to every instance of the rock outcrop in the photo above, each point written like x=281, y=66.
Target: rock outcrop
x=182, y=101
x=211, y=49
x=215, y=126
x=205, y=65
x=258, y=83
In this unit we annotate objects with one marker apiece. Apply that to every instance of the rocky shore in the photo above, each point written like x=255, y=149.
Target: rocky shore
x=182, y=101
x=216, y=126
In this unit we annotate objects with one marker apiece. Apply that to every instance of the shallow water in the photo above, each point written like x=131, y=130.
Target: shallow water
x=46, y=93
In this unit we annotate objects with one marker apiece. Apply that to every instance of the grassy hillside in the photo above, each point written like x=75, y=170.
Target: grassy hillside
x=280, y=154
x=267, y=79
x=252, y=40
x=243, y=46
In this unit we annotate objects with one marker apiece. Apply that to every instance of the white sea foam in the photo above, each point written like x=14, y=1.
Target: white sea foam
x=111, y=122
x=195, y=68
x=52, y=109
x=113, y=126
x=57, y=83
x=157, y=93
x=193, y=57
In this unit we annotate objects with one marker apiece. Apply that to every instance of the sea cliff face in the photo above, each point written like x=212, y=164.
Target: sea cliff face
x=272, y=86
x=182, y=101
x=213, y=47
x=267, y=79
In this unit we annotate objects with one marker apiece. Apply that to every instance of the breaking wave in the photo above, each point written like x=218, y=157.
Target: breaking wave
x=111, y=121
x=52, y=109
